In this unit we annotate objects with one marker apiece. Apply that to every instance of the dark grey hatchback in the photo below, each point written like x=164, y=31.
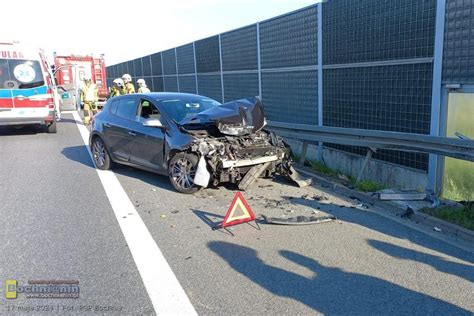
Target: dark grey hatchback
x=193, y=139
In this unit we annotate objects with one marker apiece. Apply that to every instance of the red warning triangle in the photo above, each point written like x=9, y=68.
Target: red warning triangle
x=233, y=217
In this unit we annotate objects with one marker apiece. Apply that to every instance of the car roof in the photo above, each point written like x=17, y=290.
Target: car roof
x=166, y=95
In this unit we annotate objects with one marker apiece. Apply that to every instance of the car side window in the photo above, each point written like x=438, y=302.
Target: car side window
x=113, y=106
x=126, y=109
x=147, y=111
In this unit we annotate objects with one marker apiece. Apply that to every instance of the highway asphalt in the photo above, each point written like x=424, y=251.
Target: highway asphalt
x=57, y=223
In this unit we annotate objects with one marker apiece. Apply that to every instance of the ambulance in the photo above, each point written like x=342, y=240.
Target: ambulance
x=28, y=94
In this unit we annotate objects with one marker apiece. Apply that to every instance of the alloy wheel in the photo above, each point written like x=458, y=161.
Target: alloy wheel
x=183, y=173
x=99, y=153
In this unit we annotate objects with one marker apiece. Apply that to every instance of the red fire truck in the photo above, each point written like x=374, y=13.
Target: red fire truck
x=70, y=71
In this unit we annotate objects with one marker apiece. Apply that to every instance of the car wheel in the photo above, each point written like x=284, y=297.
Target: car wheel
x=100, y=154
x=52, y=128
x=182, y=169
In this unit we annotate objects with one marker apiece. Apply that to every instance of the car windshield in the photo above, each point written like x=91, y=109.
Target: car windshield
x=180, y=108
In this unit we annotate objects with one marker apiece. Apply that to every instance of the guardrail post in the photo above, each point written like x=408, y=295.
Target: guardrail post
x=434, y=160
x=303, y=152
x=369, y=155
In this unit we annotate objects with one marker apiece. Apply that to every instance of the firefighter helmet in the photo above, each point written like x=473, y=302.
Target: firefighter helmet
x=127, y=78
x=119, y=82
x=141, y=82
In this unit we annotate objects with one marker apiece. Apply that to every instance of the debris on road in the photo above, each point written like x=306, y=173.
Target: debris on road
x=298, y=179
x=362, y=206
x=354, y=198
x=343, y=177
x=298, y=220
x=318, y=197
x=408, y=212
x=270, y=203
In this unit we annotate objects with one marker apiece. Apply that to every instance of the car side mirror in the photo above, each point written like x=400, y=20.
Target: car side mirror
x=153, y=123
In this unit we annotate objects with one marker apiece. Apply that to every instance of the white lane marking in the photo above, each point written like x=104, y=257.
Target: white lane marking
x=166, y=294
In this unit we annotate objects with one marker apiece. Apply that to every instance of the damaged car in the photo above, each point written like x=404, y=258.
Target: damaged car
x=194, y=140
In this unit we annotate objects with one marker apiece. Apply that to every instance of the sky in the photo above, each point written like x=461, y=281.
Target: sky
x=124, y=30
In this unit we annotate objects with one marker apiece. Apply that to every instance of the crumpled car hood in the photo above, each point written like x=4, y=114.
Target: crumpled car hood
x=235, y=118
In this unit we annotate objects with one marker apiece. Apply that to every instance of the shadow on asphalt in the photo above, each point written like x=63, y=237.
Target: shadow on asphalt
x=330, y=290
x=81, y=155
x=391, y=228
x=30, y=129
x=78, y=154
x=66, y=120
x=461, y=270
x=151, y=178
x=22, y=130
x=208, y=218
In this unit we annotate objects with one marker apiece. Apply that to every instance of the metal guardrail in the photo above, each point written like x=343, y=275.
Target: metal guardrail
x=445, y=146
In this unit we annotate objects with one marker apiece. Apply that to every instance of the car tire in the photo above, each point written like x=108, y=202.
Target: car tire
x=181, y=170
x=52, y=128
x=100, y=154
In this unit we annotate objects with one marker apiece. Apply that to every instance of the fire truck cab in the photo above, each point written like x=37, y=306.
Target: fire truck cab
x=70, y=71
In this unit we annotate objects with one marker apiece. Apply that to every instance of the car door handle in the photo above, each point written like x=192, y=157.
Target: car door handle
x=132, y=134
x=107, y=125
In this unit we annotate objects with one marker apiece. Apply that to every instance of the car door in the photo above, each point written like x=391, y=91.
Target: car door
x=118, y=129
x=6, y=96
x=148, y=146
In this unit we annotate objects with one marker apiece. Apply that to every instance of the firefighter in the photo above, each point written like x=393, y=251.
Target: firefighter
x=129, y=87
x=142, y=88
x=89, y=97
x=117, y=88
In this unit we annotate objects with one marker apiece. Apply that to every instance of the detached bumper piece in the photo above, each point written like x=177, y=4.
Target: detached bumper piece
x=298, y=179
x=252, y=175
x=298, y=220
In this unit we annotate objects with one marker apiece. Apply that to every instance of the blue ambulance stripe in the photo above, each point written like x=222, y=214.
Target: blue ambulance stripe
x=7, y=93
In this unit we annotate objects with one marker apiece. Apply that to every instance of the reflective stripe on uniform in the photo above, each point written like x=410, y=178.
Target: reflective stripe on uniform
x=89, y=93
x=129, y=88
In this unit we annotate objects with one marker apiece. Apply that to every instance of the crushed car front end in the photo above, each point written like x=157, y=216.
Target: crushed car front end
x=233, y=146
x=228, y=159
